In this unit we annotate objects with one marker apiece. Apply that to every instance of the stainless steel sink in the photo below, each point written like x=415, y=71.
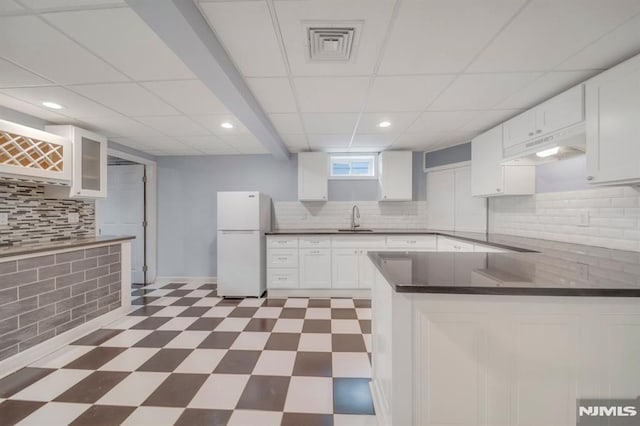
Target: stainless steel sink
x=355, y=230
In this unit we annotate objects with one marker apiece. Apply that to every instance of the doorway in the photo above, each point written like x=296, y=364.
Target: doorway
x=129, y=209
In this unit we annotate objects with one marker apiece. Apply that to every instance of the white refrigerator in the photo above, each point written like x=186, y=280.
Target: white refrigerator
x=243, y=219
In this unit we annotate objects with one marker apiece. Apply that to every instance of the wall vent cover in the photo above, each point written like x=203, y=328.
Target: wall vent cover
x=331, y=43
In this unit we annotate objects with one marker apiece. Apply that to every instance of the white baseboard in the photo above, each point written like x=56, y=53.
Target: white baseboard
x=188, y=280
x=24, y=358
x=363, y=293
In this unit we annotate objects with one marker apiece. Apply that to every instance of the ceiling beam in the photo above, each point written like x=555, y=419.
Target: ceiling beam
x=180, y=24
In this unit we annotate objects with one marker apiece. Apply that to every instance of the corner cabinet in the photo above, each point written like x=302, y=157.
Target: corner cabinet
x=396, y=176
x=489, y=178
x=313, y=176
x=613, y=125
x=33, y=155
x=89, y=164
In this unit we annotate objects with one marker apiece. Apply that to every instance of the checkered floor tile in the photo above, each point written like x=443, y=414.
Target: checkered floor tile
x=186, y=356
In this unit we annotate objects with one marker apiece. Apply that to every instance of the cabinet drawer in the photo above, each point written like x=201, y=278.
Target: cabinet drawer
x=412, y=241
x=449, y=244
x=359, y=241
x=315, y=242
x=282, y=278
x=283, y=258
x=282, y=242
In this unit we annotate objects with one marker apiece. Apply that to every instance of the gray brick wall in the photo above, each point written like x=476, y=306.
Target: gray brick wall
x=43, y=296
x=33, y=218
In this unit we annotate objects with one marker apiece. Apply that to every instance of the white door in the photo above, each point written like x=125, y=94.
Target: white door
x=519, y=128
x=122, y=212
x=366, y=270
x=239, y=264
x=344, y=268
x=441, y=200
x=471, y=212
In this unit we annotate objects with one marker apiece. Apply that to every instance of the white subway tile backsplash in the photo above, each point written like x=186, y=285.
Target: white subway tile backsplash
x=614, y=217
x=337, y=214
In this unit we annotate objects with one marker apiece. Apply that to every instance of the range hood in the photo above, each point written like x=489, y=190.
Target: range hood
x=570, y=141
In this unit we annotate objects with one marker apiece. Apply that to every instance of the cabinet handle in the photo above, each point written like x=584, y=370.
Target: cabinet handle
x=385, y=197
x=590, y=177
x=411, y=241
x=530, y=133
x=538, y=131
x=498, y=190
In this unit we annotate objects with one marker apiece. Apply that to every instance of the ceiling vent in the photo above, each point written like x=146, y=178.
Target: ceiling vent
x=331, y=43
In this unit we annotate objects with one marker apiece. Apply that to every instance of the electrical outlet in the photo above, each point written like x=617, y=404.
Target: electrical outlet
x=583, y=218
x=4, y=219
x=73, y=217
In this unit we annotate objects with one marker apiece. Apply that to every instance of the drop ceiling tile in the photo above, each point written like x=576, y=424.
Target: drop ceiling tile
x=174, y=125
x=611, y=49
x=481, y=91
x=181, y=150
x=399, y=122
x=190, y=97
x=443, y=36
x=438, y=122
x=214, y=124
x=27, y=108
x=295, y=142
x=417, y=142
x=331, y=94
x=329, y=123
x=208, y=145
x=295, y=16
x=548, y=32
x=274, y=94
x=329, y=142
x=405, y=93
x=10, y=6
x=13, y=76
x=544, y=88
x=132, y=143
x=127, y=98
x=124, y=40
x=287, y=123
x=47, y=52
x=245, y=144
x=74, y=105
x=247, y=33
x=123, y=127
x=485, y=120
x=372, y=142
x=68, y=4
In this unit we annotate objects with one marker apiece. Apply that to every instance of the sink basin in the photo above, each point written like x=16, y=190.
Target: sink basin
x=355, y=230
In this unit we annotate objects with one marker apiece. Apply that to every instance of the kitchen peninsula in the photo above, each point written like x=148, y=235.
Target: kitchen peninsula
x=507, y=338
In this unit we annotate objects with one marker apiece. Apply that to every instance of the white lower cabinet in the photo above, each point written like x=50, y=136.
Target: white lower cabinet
x=282, y=278
x=366, y=270
x=315, y=268
x=344, y=268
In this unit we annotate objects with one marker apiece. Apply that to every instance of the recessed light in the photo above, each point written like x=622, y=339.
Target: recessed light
x=384, y=124
x=548, y=152
x=52, y=105
x=226, y=125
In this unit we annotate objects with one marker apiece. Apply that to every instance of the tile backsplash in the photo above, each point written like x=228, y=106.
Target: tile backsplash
x=612, y=217
x=33, y=218
x=337, y=214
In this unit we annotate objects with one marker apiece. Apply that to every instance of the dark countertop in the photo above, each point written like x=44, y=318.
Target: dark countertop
x=21, y=250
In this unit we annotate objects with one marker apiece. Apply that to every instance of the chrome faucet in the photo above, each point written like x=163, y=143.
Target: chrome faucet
x=355, y=217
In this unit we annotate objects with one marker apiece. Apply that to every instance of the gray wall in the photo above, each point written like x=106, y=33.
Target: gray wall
x=453, y=154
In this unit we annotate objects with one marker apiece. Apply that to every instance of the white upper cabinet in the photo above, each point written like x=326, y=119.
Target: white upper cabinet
x=489, y=177
x=396, y=176
x=563, y=110
x=313, y=174
x=613, y=125
x=89, y=164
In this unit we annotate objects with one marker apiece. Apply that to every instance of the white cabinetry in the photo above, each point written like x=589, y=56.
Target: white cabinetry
x=451, y=205
x=27, y=153
x=89, y=164
x=313, y=174
x=282, y=262
x=344, y=268
x=396, y=175
x=561, y=111
x=351, y=267
x=489, y=177
x=315, y=262
x=613, y=125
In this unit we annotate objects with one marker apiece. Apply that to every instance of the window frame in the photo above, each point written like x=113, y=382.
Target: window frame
x=373, y=157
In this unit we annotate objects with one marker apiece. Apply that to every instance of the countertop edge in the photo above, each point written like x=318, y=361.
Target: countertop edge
x=15, y=251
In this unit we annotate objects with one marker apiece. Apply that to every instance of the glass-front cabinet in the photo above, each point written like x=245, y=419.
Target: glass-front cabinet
x=89, y=164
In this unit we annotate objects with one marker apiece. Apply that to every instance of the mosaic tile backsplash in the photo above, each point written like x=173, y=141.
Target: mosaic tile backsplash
x=35, y=219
